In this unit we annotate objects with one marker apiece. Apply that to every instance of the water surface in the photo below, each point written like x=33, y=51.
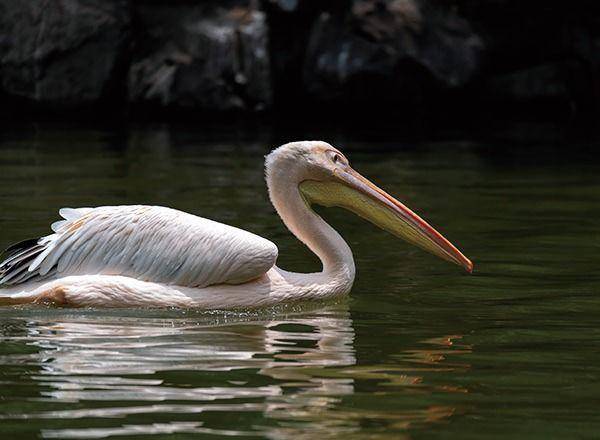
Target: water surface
x=418, y=350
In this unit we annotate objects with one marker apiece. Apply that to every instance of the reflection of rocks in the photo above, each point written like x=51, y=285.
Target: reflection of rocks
x=201, y=57
x=63, y=52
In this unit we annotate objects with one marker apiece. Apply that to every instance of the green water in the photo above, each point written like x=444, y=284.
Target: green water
x=418, y=350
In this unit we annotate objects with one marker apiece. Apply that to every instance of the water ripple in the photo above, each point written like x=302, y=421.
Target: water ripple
x=293, y=371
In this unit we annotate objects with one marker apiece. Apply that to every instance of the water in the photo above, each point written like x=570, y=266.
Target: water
x=418, y=350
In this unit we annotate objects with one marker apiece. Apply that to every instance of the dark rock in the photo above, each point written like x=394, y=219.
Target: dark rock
x=289, y=24
x=219, y=55
x=201, y=56
x=63, y=52
x=534, y=83
x=556, y=86
x=390, y=50
x=539, y=51
x=287, y=5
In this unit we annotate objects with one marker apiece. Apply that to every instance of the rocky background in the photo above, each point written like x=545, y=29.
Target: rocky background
x=137, y=57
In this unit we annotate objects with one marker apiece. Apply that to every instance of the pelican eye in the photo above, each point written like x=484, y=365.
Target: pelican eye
x=336, y=158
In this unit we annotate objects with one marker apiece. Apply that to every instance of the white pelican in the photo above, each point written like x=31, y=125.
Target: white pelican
x=127, y=256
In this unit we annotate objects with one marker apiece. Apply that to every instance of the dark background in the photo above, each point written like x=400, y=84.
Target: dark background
x=434, y=60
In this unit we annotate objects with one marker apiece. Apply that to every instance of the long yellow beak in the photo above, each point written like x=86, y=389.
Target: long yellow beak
x=352, y=191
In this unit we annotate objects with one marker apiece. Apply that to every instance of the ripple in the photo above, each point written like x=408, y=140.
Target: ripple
x=291, y=369
x=151, y=429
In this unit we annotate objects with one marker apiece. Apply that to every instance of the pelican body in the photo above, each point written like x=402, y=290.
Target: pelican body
x=150, y=256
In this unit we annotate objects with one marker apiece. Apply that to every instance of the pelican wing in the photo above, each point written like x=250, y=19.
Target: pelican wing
x=149, y=243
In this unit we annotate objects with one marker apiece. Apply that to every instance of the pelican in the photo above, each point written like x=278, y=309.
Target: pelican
x=151, y=256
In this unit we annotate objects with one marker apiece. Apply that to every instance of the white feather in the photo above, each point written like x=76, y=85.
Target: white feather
x=57, y=225
x=152, y=243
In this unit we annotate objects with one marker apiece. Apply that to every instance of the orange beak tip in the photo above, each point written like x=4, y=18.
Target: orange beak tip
x=469, y=266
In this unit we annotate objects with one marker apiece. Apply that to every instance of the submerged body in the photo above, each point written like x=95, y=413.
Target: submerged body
x=127, y=256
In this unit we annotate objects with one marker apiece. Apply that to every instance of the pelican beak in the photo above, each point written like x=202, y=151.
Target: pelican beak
x=349, y=190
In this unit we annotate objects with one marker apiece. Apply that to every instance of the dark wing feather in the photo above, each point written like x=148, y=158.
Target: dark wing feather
x=16, y=261
x=18, y=247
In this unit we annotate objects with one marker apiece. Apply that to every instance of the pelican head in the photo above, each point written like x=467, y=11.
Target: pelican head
x=325, y=177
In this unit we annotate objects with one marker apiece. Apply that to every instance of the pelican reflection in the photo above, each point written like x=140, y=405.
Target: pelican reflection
x=292, y=372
